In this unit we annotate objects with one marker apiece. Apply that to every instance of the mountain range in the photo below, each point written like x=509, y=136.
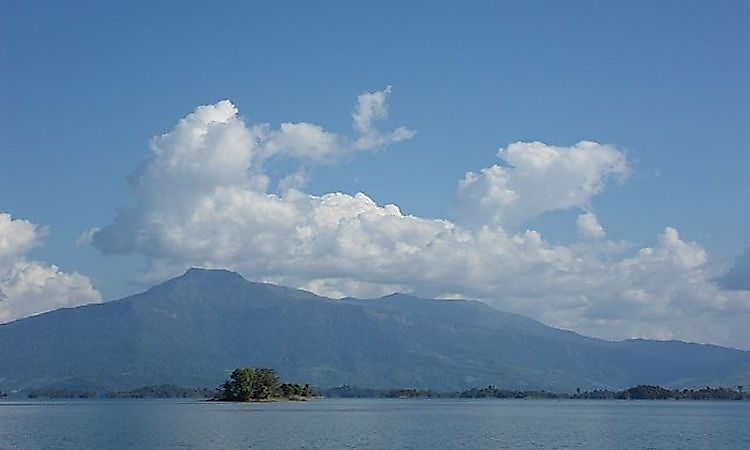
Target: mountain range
x=193, y=330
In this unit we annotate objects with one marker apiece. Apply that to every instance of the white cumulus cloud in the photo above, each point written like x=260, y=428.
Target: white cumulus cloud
x=533, y=178
x=371, y=107
x=30, y=287
x=202, y=199
x=313, y=144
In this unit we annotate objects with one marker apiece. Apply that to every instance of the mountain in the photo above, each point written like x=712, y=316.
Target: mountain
x=194, y=329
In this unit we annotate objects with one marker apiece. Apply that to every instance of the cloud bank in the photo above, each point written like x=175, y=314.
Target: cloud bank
x=203, y=199
x=30, y=287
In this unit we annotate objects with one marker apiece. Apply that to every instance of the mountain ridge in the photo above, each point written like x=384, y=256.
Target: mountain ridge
x=193, y=329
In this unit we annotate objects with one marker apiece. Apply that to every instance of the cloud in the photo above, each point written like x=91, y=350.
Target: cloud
x=86, y=237
x=372, y=107
x=30, y=287
x=304, y=141
x=589, y=227
x=738, y=276
x=311, y=143
x=534, y=178
x=213, y=146
x=203, y=200
x=17, y=236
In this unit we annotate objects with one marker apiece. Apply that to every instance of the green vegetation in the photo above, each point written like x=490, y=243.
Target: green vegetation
x=348, y=391
x=644, y=392
x=164, y=391
x=160, y=391
x=261, y=384
x=54, y=393
x=493, y=392
x=249, y=384
x=641, y=392
x=486, y=392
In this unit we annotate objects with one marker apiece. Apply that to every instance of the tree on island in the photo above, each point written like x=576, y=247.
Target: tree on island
x=247, y=384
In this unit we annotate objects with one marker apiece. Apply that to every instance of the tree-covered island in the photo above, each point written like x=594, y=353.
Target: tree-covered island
x=249, y=384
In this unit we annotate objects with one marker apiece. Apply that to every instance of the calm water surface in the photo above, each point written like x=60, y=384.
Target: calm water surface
x=391, y=424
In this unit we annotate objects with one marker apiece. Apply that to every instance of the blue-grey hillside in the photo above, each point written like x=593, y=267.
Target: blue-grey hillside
x=194, y=329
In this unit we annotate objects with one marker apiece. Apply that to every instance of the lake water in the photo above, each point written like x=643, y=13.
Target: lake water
x=389, y=424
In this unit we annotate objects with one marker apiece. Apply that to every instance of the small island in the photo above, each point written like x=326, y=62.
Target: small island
x=249, y=384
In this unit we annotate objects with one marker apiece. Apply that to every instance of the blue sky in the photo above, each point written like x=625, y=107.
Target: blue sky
x=84, y=86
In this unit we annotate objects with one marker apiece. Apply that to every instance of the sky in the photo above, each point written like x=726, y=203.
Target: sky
x=584, y=163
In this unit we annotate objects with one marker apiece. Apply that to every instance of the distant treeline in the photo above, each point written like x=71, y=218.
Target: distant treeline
x=164, y=391
x=641, y=392
x=287, y=390
x=644, y=392
x=160, y=391
x=61, y=393
x=487, y=392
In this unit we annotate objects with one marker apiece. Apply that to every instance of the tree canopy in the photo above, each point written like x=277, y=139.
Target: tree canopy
x=247, y=384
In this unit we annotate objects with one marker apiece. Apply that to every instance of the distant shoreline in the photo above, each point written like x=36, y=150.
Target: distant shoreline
x=641, y=392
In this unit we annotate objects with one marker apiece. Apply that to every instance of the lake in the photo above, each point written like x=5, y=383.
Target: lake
x=368, y=424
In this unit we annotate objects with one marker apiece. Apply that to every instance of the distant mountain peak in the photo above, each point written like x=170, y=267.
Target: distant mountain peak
x=200, y=273
x=203, y=270
x=202, y=279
